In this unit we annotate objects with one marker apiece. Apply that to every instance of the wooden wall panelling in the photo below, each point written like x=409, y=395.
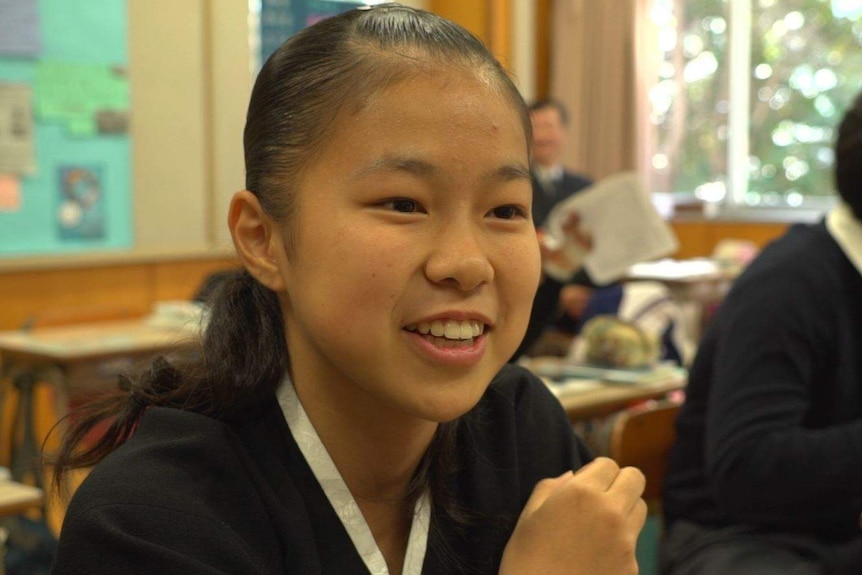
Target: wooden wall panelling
x=27, y=294
x=131, y=289
x=693, y=239
x=180, y=280
x=473, y=15
x=500, y=31
x=699, y=238
x=543, y=48
x=759, y=233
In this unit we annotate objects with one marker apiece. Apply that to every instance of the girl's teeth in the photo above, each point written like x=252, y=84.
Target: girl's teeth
x=450, y=329
x=453, y=330
x=437, y=328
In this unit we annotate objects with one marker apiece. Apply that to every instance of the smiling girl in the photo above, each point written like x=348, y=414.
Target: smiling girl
x=349, y=411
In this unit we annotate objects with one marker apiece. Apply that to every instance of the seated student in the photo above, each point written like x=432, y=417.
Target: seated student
x=552, y=184
x=351, y=412
x=766, y=474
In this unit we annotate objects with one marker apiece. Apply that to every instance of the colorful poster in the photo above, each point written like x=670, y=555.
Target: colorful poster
x=281, y=19
x=79, y=196
x=81, y=209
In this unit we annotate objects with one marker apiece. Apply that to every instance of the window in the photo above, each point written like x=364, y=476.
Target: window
x=748, y=97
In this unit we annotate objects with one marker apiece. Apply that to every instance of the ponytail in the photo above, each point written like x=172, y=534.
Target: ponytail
x=238, y=364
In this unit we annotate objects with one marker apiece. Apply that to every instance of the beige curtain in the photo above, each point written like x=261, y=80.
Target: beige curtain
x=603, y=62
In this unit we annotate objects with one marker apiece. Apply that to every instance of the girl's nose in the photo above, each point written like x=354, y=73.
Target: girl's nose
x=459, y=260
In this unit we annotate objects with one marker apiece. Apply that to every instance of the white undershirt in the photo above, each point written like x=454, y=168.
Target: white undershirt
x=341, y=499
x=548, y=176
x=847, y=231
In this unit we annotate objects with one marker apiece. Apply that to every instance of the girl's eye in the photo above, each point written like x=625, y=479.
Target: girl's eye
x=403, y=205
x=507, y=212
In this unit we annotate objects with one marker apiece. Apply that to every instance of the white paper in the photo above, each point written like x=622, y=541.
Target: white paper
x=624, y=226
x=696, y=269
x=17, y=151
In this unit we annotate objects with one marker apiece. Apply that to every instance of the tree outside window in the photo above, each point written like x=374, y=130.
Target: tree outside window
x=777, y=73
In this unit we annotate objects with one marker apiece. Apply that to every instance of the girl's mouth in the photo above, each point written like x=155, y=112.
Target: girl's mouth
x=449, y=332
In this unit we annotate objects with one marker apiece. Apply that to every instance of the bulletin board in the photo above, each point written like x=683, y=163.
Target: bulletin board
x=65, y=150
x=281, y=19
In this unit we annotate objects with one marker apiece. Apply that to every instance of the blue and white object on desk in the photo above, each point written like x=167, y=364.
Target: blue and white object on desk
x=665, y=371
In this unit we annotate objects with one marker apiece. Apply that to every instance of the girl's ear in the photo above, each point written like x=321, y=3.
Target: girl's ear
x=257, y=239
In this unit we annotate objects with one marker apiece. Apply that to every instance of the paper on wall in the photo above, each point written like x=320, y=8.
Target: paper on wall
x=10, y=193
x=17, y=150
x=82, y=96
x=624, y=226
x=19, y=28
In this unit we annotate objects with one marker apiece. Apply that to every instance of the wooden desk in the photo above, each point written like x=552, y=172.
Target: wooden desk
x=79, y=358
x=73, y=344
x=77, y=355
x=697, y=279
x=17, y=497
x=592, y=399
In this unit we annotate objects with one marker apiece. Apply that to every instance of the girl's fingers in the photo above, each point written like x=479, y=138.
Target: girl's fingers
x=600, y=474
x=543, y=490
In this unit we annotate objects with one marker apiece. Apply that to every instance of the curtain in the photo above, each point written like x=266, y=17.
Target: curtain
x=604, y=59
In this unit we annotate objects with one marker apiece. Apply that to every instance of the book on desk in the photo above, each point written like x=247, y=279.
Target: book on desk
x=565, y=377
x=586, y=397
x=617, y=375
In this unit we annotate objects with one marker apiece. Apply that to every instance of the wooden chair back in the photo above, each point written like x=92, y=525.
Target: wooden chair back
x=641, y=437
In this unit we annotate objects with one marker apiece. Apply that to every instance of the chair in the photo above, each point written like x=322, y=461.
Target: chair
x=641, y=437
x=32, y=400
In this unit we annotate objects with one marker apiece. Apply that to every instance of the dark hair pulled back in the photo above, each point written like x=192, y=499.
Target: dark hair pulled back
x=325, y=71
x=848, y=158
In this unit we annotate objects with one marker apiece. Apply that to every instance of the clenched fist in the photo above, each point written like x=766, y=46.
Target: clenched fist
x=580, y=523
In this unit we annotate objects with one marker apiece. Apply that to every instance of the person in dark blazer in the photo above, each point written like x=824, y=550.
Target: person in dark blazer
x=552, y=184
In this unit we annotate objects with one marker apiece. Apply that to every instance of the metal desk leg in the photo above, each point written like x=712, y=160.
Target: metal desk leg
x=25, y=456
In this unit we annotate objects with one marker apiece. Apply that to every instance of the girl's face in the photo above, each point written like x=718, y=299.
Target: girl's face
x=415, y=216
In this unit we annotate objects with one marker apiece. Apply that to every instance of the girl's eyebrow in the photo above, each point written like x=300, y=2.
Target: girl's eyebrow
x=509, y=172
x=423, y=169
x=391, y=163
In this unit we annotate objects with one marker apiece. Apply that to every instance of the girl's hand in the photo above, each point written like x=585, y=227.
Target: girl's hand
x=580, y=523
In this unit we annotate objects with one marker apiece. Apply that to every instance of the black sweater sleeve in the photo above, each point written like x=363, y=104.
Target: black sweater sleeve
x=146, y=539
x=769, y=461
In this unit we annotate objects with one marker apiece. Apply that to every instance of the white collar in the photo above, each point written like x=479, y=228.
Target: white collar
x=342, y=500
x=549, y=173
x=847, y=231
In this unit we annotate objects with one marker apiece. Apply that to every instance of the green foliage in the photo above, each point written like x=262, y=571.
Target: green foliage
x=806, y=68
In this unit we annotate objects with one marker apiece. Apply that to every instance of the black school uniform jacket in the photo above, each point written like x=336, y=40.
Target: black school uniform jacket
x=189, y=494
